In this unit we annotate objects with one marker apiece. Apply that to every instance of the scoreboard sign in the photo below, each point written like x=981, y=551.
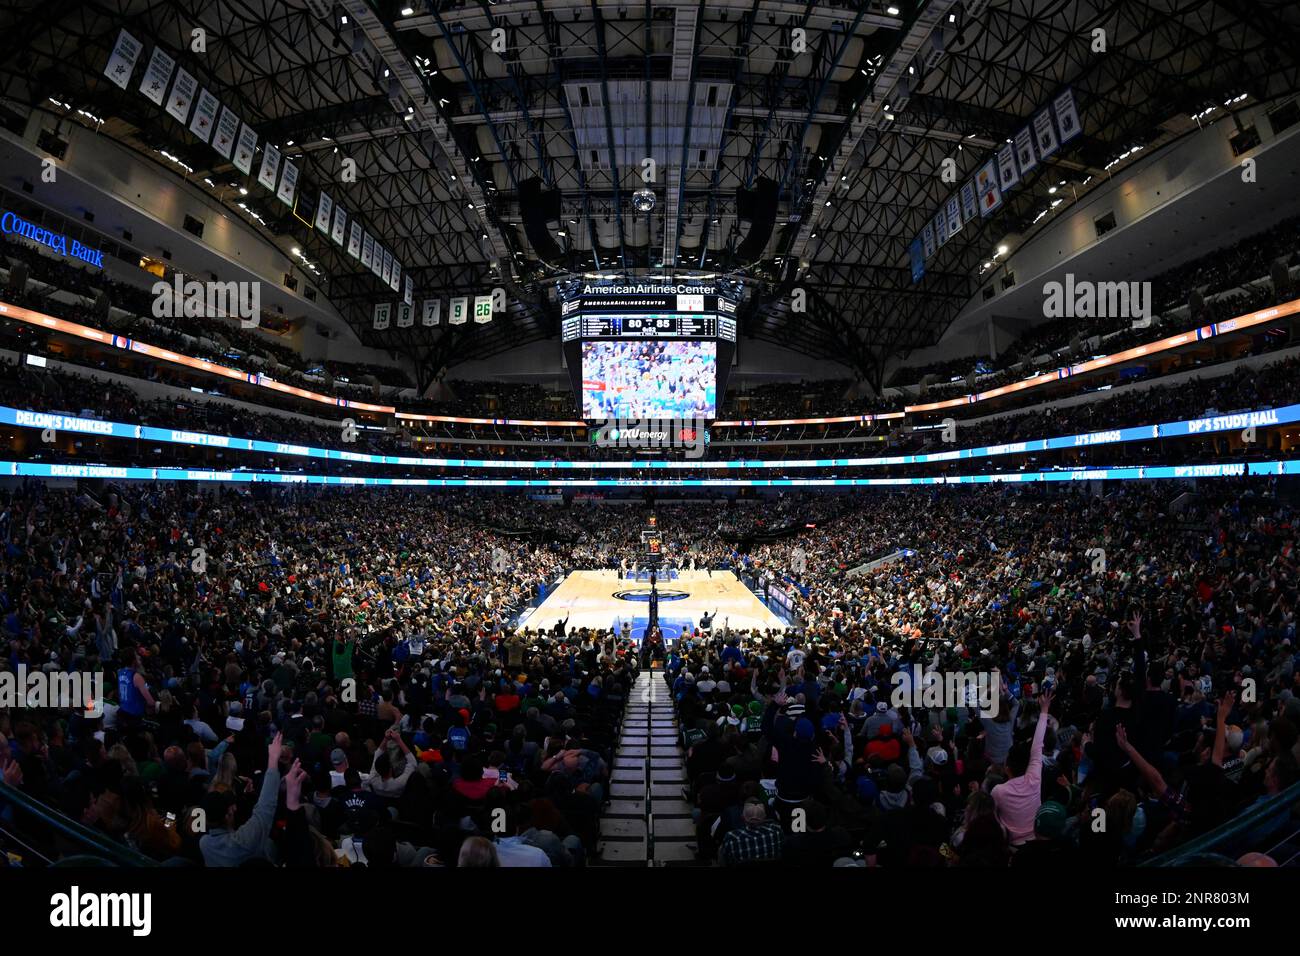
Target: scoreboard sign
x=647, y=310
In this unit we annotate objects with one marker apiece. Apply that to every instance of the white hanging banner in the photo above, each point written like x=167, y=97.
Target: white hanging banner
x=483, y=308
x=1025, y=156
x=386, y=268
x=354, y=239
x=227, y=129
x=270, y=166
x=395, y=277
x=432, y=312
x=927, y=240
x=954, y=216
x=157, y=75
x=367, y=250
x=1067, y=116
x=459, y=312
x=940, y=223
x=245, y=150
x=405, y=316
x=324, y=209
x=288, y=184
x=1008, y=174
x=1045, y=134
x=183, y=90
x=340, y=223
x=408, y=293
x=205, y=116
x=382, y=313
x=121, y=64
x=986, y=186
x=969, y=205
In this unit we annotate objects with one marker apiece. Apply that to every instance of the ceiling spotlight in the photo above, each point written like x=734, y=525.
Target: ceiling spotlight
x=407, y=11
x=243, y=191
x=1002, y=249
x=892, y=11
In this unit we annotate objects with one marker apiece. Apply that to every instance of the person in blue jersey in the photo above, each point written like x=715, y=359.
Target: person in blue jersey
x=133, y=697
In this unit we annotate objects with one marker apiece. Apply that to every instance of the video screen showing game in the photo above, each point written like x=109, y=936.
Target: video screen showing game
x=649, y=379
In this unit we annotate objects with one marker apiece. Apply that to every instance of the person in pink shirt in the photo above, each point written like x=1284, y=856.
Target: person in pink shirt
x=1017, y=801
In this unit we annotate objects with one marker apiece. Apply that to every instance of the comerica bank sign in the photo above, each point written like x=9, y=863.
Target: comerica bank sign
x=13, y=223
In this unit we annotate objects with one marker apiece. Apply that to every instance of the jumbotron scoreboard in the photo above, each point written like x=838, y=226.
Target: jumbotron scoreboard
x=590, y=310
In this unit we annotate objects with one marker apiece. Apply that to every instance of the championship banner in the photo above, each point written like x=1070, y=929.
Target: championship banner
x=183, y=90
x=340, y=223
x=288, y=184
x=157, y=75
x=324, y=211
x=1045, y=134
x=395, y=277
x=405, y=316
x=459, y=312
x=927, y=240
x=1067, y=116
x=432, y=312
x=986, y=185
x=408, y=291
x=205, y=116
x=386, y=268
x=382, y=313
x=1025, y=156
x=227, y=129
x=367, y=250
x=270, y=166
x=121, y=64
x=245, y=150
x=940, y=222
x=354, y=237
x=1008, y=174
x=954, y=216
x=483, y=308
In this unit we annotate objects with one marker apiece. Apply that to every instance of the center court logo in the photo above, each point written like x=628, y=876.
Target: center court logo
x=916, y=688
x=77, y=910
x=53, y=690
x=1081, y=299
x=195, y=300
x=656, y=433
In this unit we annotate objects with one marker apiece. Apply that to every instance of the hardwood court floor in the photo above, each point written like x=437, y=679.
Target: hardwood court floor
x=587, y=599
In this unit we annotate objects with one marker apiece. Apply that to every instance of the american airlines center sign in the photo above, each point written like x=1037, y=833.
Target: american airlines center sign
x=11, y=223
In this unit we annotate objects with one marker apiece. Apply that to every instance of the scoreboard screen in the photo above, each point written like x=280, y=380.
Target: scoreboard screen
x=652, y=325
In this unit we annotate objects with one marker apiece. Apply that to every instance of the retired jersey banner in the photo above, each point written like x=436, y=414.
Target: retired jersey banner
x=986, y=187
x=323, y=213
x=459, y=313
x=270, y=166
x=340, y=223
x=1045, y=134
x=1067, y=116
x=121, y=64
x=954, y=216
x=483, y=308
x=183, y=90
x=205, y=116
x=157, y=75
x=227, y=130
x=288, y=184
x=432, y=312
x=1008, y=174
x=1025, y=156
x=970, y=206
x=245, y=150
x=405, y=316
x=382, y=312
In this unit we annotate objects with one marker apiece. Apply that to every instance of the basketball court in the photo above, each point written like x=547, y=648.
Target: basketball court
x=600, y=599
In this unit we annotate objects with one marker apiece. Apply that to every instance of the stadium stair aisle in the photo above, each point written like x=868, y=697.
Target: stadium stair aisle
x=647, y=823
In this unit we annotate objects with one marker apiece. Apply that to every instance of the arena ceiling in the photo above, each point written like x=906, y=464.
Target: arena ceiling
x=447, y=131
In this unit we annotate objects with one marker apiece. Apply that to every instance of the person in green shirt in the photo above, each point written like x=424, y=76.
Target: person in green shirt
x=341, y=661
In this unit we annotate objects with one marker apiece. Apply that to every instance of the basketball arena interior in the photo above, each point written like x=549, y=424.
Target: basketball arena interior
x=599, y=435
